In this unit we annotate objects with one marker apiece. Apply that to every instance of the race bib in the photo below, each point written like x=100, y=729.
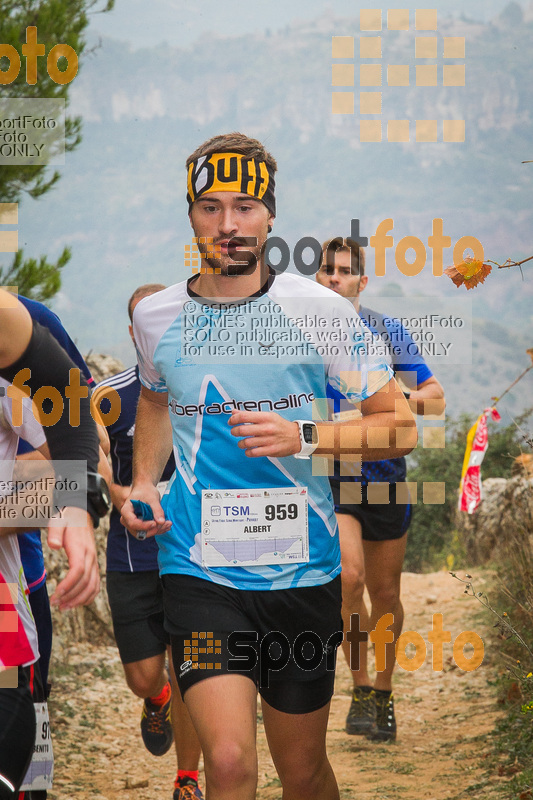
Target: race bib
x=40, y=773
x=252, y=527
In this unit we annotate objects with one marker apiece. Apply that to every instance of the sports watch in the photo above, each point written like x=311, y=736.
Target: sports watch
x=308, y=438
x=98, y=497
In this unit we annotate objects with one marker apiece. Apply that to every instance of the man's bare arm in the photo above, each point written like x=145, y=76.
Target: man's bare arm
x=152, y=446
x=103, y=439
x=74, y=534
x=152, y=441
x=15, y=329
x=428, y=390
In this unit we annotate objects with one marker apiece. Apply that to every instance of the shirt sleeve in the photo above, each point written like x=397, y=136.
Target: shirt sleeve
x=145, y=344
x=49, y=365
x=41, y=314
x=30, y=430
x=360, y=365
x=405, y=354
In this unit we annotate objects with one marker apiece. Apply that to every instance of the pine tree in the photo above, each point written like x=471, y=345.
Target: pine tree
x=57, y=22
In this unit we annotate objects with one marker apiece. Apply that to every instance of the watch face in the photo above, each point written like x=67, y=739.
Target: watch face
x=106, y=494
x=309, y=433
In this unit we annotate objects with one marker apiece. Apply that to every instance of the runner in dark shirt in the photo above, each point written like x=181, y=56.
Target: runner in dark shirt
x=134, y=592
x=372, y=503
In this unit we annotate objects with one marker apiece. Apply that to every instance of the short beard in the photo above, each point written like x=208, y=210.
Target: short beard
x=228, y=268
x=225, y=265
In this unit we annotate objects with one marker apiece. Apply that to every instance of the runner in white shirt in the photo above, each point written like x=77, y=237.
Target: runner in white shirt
x=10, y=564
x=25, y=346
x=247, y=534
x=18, y=644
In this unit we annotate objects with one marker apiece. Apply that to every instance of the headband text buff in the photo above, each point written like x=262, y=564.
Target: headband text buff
x=231, y=172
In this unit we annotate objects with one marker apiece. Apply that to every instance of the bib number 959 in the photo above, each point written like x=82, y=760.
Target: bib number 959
x=281, y=511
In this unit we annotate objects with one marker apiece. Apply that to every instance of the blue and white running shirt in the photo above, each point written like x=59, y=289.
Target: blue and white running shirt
x=274, y=351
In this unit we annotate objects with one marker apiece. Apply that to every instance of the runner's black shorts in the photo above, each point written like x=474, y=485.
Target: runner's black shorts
x=379, y=521
x=136, y=603
x=285, y=640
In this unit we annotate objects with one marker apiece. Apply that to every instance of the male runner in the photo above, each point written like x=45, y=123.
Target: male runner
x=373, y=533
x=29, y=543
x=11, y=568
x=30, y=347
x=27, y=345
x=31, y=551
x=248, y=546
x=135, y=593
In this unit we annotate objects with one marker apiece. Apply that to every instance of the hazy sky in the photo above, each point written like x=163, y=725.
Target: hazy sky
x=181, y=22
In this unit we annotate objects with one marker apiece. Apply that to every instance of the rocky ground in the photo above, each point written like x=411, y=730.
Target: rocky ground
x=443, y=721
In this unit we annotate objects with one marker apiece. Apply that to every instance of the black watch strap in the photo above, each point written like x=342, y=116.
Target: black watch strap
x=98, y=497
x=82, y=489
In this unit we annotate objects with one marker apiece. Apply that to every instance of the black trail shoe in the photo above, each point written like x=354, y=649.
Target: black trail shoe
x=385, y=719
x=361, y=719
x=156, y=727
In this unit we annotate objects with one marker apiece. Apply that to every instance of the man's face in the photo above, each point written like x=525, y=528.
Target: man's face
x=338, y=276
x=223, y=216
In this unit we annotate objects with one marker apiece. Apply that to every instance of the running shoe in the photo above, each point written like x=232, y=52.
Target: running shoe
x=361, y=719
x=156, y=727
x=385, y=720
x=188, y=789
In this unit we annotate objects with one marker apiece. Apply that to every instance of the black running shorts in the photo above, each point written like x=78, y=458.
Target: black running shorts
x=136, y=602
x=379, y=521
x=284, y=640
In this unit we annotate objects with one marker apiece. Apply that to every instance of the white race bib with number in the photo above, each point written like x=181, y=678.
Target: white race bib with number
x=40, y=774
x=251, y=527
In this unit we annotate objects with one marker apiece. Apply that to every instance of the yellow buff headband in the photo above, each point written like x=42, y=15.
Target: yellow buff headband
x=231, y=172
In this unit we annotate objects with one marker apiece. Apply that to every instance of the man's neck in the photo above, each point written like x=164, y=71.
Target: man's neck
x=225, y=287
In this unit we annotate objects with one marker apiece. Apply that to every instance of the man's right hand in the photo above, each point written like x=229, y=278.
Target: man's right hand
x=150, y=495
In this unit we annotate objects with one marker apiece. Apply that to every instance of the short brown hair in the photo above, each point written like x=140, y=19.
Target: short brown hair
x=339, y=245
x=143, y=291
x=234, y=143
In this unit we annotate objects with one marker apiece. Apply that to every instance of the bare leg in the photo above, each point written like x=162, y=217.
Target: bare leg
x=384, y=561
x=146, y=678
x=298, y=746
x=353, y=584
x=185, y=739
x=223, y=710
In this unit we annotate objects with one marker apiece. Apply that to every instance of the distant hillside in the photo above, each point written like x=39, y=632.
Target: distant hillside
x=120, y=203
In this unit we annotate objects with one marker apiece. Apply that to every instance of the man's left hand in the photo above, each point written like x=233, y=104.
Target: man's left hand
x=82, y=581
x=265, y=433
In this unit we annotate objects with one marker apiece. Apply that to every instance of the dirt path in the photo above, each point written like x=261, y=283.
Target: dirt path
x=442, y=721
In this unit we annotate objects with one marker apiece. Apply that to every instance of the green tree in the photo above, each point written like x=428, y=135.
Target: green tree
x=431, y=533
x=57, y=22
